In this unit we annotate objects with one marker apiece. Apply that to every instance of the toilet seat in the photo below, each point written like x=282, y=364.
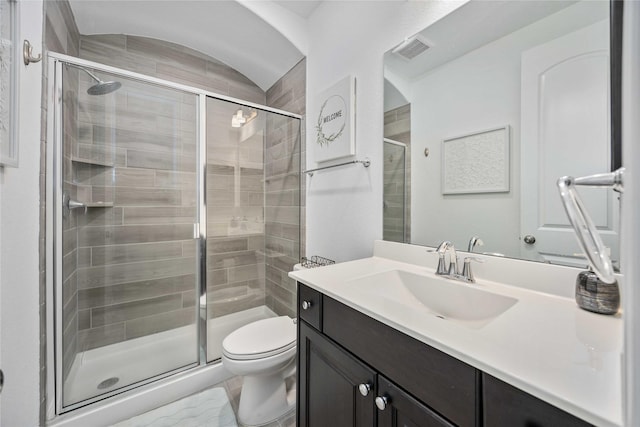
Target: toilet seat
x=261, y=339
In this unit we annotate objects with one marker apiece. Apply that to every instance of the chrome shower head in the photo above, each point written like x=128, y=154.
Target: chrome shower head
x=101, y=88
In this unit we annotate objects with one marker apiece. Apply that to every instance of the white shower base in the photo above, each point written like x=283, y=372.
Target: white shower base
x=141, y=358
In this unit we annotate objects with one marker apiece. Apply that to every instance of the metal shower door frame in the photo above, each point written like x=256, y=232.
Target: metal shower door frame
x=53, y=212
x=404, y=190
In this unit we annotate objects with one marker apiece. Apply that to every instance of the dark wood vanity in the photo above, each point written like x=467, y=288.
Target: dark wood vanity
x=355, y=370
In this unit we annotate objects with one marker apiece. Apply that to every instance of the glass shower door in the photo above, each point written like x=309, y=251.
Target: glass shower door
x=126, y=195
x=394, y=191
x=253, y=216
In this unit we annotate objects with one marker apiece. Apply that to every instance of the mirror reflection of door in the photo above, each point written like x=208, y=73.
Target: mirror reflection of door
x=565, y=131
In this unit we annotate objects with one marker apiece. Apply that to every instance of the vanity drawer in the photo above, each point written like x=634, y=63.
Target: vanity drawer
x=310, y=306
x=444, y=383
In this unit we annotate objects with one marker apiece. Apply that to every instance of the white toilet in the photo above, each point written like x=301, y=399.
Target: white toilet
x=264, y=353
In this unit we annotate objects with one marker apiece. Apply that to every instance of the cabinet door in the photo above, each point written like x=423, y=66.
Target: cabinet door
x=505, y=405
x=328, y=381
x=446, y=384
x=402, y=410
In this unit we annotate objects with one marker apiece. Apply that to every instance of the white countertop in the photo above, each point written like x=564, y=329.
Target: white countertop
x=544, y=344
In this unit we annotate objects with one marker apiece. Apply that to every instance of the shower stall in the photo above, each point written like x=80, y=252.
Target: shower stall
x=164, y=212
x=395, y=191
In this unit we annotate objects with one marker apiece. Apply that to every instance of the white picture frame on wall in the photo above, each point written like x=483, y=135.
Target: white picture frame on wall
x=335, y=121
x=9, y=83
x=477, y=162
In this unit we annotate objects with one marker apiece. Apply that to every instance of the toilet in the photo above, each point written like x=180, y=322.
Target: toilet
x=263, y=352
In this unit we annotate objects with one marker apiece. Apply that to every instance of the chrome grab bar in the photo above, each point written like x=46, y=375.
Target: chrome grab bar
x=585, y=229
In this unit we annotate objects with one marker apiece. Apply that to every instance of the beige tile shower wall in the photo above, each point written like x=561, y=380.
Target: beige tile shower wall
x=60, y=32
x=135, y=169
x=284, y=204
x=70, y=222
x=235, y=211
x=235, y=262
x=61, y=35
x=397, y=126
x=140, y=277
x=171, y=62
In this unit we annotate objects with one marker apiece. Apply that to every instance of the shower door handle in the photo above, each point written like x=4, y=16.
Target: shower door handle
x=74, y=204
x=68, y=204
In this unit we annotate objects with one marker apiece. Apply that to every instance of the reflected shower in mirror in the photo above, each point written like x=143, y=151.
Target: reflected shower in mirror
x=489, y=118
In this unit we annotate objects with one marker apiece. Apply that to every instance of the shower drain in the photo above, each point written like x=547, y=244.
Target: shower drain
x=108, y=383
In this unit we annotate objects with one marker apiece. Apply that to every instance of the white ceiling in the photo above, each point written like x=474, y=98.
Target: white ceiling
x=223, y=29
x=487, y=21
x=302, y=8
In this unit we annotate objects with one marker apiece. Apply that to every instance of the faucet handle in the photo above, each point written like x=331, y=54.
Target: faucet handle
x=441, y=269
x=466, y=269
x=443, y=246
x=453, y=263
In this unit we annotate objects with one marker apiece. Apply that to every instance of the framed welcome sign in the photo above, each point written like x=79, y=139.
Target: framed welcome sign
x=335, y=121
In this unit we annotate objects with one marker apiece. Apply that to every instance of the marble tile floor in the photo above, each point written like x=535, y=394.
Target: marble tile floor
x=214, y=407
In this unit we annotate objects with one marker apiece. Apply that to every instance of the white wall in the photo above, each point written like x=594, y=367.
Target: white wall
x=344, y=205
x=476, y=92
x=344, y=218
x=19, y=228
x=630, y=235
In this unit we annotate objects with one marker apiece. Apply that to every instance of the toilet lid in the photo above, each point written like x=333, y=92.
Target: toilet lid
x=262, y=338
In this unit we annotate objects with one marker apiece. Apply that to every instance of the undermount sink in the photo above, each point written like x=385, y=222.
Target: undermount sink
x=446, y=299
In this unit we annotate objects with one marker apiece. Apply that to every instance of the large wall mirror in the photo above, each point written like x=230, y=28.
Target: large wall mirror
x=484, y=110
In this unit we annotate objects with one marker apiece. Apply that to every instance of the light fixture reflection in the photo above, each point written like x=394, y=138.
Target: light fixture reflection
x=239, y=119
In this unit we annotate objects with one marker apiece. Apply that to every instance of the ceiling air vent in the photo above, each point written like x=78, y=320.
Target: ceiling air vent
x=411, y=47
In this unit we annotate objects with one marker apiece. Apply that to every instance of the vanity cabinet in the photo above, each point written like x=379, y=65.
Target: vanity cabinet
x=403, y=410
x=339, y=390
x=506, y=405
x=329, y=381
x=349, y=352
x=356, y=371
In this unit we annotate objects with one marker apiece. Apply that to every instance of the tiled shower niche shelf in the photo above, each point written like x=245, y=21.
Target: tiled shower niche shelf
x=93, y=162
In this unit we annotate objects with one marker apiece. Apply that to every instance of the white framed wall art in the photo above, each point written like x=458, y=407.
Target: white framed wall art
x=334, y=117
x=477, y=162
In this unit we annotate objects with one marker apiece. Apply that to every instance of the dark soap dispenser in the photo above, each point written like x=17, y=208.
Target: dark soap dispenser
x=594, y=295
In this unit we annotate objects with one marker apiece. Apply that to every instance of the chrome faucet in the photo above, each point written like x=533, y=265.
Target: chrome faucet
x=475, y=240
x=451, y=272
x=453, y=259
x=467, y=274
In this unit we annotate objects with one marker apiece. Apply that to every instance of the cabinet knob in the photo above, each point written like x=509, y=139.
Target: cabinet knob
x=306, y=305
x=364, y=388
x=381, y=402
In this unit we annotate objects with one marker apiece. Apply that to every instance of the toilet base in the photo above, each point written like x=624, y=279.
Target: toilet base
x=263, y=399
